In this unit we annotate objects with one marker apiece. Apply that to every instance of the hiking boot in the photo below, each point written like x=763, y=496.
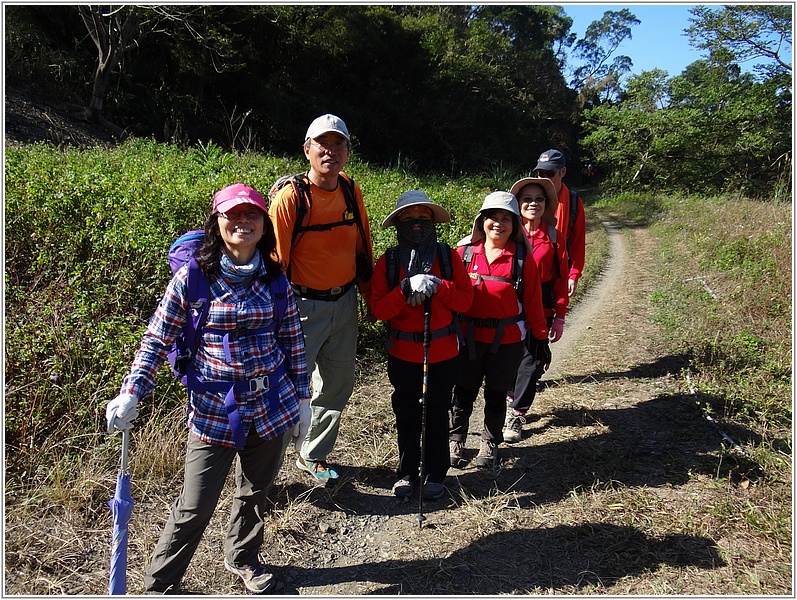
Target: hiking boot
x=403, y=487
x=513, y=427
x=488, y=455
x=256, y=579
x=433, y=490
x=457, y=451
x=317, y=468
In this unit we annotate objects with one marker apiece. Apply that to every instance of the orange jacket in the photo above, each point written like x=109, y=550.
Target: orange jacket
x=578, y=235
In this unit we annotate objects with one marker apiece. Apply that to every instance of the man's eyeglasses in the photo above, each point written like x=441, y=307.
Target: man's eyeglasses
x=253, y=214
x=545, y=173
x=330, y=147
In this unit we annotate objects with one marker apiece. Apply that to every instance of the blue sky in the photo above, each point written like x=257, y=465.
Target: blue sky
x=657, y=42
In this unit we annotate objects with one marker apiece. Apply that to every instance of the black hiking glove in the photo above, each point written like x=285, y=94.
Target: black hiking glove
x=540, y=350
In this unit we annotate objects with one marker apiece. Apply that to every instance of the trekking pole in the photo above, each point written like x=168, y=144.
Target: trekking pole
x=427, y=320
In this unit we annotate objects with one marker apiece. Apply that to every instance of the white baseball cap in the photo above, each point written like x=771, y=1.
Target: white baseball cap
x=325, y=124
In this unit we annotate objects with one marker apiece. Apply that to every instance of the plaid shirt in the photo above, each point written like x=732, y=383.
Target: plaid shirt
x=232, y=306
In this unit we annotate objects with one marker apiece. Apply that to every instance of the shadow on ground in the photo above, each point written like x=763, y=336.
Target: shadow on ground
x=597, y=554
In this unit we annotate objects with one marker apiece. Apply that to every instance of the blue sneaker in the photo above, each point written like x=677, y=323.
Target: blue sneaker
x=317, y=468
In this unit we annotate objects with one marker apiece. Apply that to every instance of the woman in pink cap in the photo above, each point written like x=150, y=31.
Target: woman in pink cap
x=241, y=342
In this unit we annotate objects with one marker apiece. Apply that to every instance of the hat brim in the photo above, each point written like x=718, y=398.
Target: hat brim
x=230, y=203
x=477, y=234
x=320, y=132
x=439, y=214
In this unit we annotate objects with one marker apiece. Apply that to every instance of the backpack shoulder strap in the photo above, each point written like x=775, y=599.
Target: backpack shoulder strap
x=552, y=234
x=351, y=199
x=391, y=270
x=467, y=256
x=518, y=261
x=198, y=289
x=444, y=256
x=279, y=294
x=301, y=186
x=573, y=211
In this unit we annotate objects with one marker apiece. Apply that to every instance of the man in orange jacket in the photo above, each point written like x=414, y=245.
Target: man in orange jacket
x=552, y=164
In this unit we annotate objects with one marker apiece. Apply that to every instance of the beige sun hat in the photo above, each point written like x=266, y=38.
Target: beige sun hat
x=497, y=200
x=549, y=214
x=417, y=198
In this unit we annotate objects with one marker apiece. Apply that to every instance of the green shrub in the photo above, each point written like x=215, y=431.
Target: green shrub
x=86, y=239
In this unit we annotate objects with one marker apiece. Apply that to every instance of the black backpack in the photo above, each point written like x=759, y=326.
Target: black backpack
x=392, y=276
x=301, y=186
x=392, y=271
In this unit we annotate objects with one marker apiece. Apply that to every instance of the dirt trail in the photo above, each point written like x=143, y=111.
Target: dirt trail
x=581, y=317
x=538, y=524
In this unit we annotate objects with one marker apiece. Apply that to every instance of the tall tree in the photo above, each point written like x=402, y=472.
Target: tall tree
x=599, y=78
x=113, y=29
x=741, y=33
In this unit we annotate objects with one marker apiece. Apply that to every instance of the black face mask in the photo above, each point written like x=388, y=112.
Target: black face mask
x=416, y=248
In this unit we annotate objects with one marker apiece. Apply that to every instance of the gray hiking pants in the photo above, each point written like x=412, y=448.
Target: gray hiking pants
x=206, y=470
x=330, y=338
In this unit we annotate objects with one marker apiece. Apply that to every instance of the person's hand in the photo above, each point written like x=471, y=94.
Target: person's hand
x=121, y=411
x=416, y=298
x=419, y=287
x=300, y=429
x=424, y=283
x=557, y=328
x=572, y=284
x=542, y=353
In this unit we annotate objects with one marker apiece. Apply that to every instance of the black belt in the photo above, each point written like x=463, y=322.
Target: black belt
x=330, y=295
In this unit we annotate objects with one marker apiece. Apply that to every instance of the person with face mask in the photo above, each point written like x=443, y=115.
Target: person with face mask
x=419, y=271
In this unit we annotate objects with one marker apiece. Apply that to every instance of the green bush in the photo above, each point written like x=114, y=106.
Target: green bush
x=86, y=238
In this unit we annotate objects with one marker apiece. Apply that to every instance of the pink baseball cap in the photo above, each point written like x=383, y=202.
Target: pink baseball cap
x=238, y=193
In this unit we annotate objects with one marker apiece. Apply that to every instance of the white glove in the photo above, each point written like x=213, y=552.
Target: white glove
x=121, y=411
x=424, y=283
x=300, y=429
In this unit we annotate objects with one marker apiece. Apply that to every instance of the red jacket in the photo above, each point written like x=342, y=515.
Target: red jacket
x=579, y=234
x=546, y=259
x=390, y=305
x=498, y=300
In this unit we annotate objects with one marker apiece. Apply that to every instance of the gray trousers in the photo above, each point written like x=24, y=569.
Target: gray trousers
x=330, y=338
x=206, y=470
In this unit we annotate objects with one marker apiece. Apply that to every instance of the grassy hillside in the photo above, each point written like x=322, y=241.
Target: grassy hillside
x=86, y=239
x=87, y=230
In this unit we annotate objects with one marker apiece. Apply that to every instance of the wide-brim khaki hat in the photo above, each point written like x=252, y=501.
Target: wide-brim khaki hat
x=417, y=198
x=549, y=214
x=497, y=200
